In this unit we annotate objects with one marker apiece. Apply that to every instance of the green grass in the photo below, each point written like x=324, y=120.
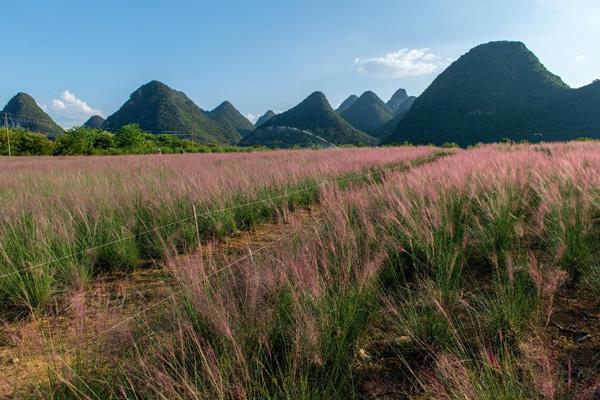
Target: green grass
x=111, y=240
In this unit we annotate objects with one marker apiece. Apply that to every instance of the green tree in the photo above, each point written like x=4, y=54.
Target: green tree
x=129, y=136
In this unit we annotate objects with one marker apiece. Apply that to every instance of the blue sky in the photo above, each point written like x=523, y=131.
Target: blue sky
x=83, y=57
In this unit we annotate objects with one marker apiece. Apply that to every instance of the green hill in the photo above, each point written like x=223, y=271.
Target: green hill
x=23, y=112
x=227, y=112
x=346, y=104
x=316, y=116
x=264, y=118
x=95, y=122
x=389, y=127
x=283, y=137
x=157, y=108
x=500, y=90
x=397, y=99
x=368, y=113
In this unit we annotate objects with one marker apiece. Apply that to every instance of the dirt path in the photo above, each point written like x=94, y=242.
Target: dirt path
x=29, y=348
x=573, y=336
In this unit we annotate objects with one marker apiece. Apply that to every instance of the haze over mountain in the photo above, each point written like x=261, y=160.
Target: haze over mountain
x=95, y=122
x=227, y=112
x=368, y=113
x=264, y=118
x=397, y=99
x=22, y=111
x=500, y=90
x=315, y=116
x=404, y=106
x=159, y=109
x=346, y=104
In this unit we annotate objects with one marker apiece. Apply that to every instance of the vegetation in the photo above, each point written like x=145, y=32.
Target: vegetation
x=24, y=143
x=498, y=90
x=157, y=108
x=346, y=104
x=462, y=291
x=130, y=139
x=94, y=122
x=368, y=113
x=313, y=115
x=67, y=221
x=264, y=118
x=23, y=112
x=227, y=113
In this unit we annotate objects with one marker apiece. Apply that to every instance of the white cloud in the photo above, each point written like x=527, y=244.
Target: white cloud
x=252, y=117
x=403, y=63
x=70, y=111
x=581, y=58
x=58, y=105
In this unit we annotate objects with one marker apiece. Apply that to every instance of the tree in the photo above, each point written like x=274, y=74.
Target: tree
x=129, y=136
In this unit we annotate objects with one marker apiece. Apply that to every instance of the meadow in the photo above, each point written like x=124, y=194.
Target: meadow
x=65, y=220
x=386, y=273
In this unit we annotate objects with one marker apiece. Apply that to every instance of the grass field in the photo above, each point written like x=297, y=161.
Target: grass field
x=410, y=273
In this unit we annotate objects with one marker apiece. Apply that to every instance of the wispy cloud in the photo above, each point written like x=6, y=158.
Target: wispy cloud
x=69, y=110
x=403, y=63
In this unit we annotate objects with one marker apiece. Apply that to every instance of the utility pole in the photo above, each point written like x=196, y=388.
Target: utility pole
x=7, y=133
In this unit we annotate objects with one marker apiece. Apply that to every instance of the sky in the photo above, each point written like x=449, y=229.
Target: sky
x=83, y=57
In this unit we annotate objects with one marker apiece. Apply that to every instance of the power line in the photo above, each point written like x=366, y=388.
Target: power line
x=178, y=292
x=155, y=229
x=158, y=228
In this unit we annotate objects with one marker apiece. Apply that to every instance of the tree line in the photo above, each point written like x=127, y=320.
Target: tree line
x=130, y=139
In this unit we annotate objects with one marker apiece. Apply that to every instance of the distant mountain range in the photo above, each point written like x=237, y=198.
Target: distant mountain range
x=227, y=113
x=497, y=90
x=157, y=108
x=264, y=118
x=313, y=115
x=500, y=90
x=23, y=112
x=370, y=114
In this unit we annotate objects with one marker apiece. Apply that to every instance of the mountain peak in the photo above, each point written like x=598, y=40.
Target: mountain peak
x=226, y=105
x=397, y=99
x=156, y=84
x=157, y=108
x=313, y=122
x=346, y=104
x=22, y=111
x=264, y=118
x=317, y=98
x=228, y=113
x=368, y=113
x=95, y=121
x=498, y=90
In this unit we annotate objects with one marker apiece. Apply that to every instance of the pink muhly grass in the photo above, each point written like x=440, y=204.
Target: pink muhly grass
x=547, y=282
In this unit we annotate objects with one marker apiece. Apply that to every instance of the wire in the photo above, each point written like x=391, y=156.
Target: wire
x=176, y=293
x=72, y=255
